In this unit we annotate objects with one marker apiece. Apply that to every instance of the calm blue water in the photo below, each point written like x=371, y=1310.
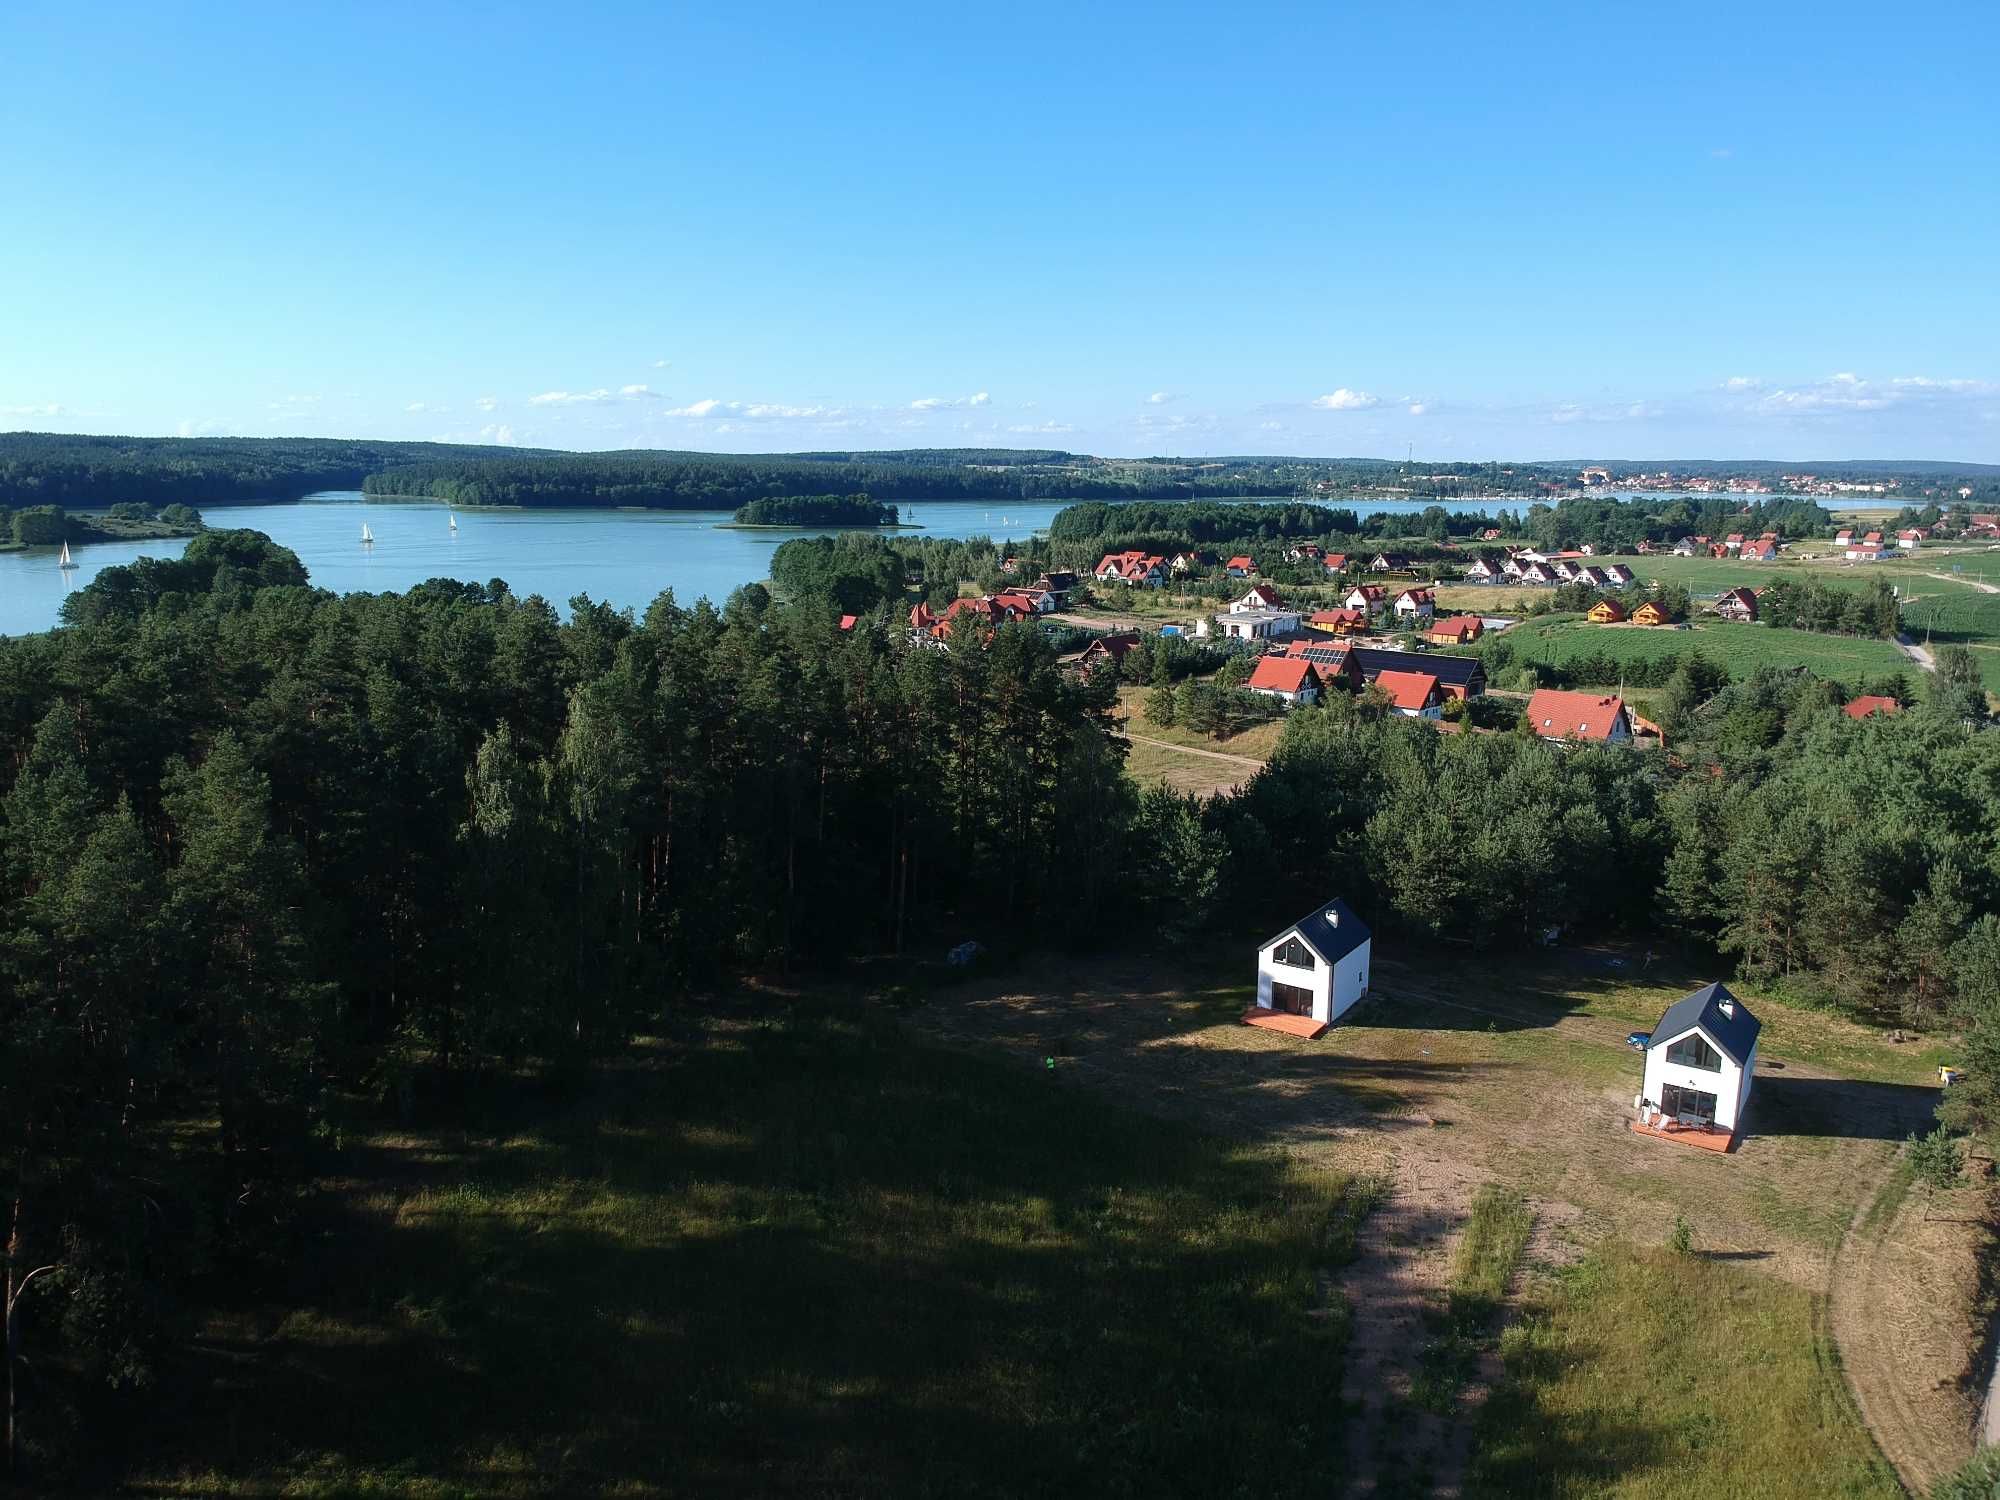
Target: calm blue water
x=624, y=557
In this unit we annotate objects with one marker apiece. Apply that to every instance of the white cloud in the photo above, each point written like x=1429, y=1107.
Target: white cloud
x=979, y=398
x=416, y=406
x=661, y=364
x=1625, y=411
x=1742, y=383
x=756, y=411
x=199, y=429
x=45, y=409
x=571, y=398
x=290, y=403
x=1847, y=392
x=1418, y=408
x=696, y=409
x=498, y=433
x=640, y=393
x=949, y=403
x=1043, y=427
x=487, y=403
x=1346, y=400
x=1161, y=398
x=1270, y=426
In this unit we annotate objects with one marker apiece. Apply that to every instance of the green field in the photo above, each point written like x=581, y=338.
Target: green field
x=1644, y=1373
x=790, y=1252
x=1554, y=640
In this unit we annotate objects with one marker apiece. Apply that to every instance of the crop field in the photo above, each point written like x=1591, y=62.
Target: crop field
x=1556, y=640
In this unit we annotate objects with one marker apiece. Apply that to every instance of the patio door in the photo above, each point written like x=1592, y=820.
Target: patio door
x=1291, y=999
x=1678, y=1103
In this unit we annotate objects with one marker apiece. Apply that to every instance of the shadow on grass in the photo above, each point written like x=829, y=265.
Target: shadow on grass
x=1841, y=1108
x=797, y=1256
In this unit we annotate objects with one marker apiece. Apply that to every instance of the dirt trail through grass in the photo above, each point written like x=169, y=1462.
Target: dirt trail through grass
x=1453, y=1078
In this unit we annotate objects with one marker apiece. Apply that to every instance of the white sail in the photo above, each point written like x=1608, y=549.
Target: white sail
x=367, y=536
x=65, y=563
x=454, y=522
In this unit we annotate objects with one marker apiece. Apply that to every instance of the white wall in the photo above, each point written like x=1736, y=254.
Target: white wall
x=1318, y=979
x=1350, y=981
x=1334, y=989
x=1731, y=1086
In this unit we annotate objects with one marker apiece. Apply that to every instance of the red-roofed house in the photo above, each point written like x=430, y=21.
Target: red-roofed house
x=1909, y=538
x=1026, y=600
x=922, y=617
x=1412, y=695
x=848, y=622
x=1764, y=549
x=1339, y=621
x=1262, y=596
x=1334, y=562
x=1867, y=706
x=1107, y=650
x=1289, y=678
x=1368, y=597
x=1135, y=569
x=1584, y=717
x=1490, y=534
x=1736, y=604
x=1458, y=630
x=1843, y=536
x=1239, y=567
x=1413, y=606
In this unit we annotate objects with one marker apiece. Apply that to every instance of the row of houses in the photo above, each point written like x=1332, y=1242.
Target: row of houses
x=1611, y=612
x=1550, y=572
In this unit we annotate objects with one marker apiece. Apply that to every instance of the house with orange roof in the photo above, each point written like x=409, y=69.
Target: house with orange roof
x=1869, y=705
x=1339, y=621
x=1583, y=718
x=1239, y=567
x=1412, y=695
x=1334, y=562
x=1458, y=630
x=1290, y=679
x=1134, y=569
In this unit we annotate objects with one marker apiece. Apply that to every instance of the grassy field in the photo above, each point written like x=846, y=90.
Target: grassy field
x=1636, y=1374
x=792, y=1251
x=1478, y=1090
x=1740, y=649
x=1186, y=770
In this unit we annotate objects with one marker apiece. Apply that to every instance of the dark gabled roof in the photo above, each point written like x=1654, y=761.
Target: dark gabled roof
x=1331, y=940
x=1735, y=1035
x=1455, y=671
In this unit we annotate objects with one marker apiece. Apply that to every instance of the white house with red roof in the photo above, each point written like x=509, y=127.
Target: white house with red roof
x=1239, y=567
x=1371, y=597
x=1415, y=606
x=1134, y=569
x=1585, y=718
x=1291, y=679
x=1261, y=596
x=1412, y=695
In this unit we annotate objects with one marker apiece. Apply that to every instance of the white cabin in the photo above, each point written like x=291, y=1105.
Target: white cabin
x=1700, y=1062
x=1317, y=968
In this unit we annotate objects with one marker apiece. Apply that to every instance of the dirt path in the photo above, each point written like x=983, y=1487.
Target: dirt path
x=1919, y=654
x=1899, y=1295
x=1247, y=762
x=1984, y=588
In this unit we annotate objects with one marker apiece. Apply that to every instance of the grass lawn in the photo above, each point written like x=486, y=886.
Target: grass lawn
x=1739, y=649
x=793, y=1251
x=1636, y=1374
x=1256, y=743
x=1184, y=770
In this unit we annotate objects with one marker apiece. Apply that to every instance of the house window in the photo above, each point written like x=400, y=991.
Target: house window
x=1693, y=1051
x=1294, y=954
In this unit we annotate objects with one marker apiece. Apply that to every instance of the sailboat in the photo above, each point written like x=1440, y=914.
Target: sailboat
x=367, y=536
x=65, y=561
x=454, y=521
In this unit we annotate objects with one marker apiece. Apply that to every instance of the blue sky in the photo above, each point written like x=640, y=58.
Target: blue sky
x=1742, y=230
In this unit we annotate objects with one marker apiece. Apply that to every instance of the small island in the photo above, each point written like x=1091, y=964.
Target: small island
x=51, y=525
x=816, y=510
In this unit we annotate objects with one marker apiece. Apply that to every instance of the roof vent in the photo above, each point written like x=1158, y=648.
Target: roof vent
x=1332, y=917
x=1727, y=1005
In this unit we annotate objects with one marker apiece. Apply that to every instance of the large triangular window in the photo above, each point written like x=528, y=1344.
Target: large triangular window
x=1294, y=954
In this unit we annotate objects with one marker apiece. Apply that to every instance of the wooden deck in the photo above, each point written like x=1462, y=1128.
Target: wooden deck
x=1277, y=1020
x=1688, y=1135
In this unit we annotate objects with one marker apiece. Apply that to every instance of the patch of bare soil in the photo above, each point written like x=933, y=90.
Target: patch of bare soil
x=1902, y=1293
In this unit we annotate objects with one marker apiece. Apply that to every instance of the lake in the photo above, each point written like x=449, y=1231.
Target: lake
x=624, y=557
